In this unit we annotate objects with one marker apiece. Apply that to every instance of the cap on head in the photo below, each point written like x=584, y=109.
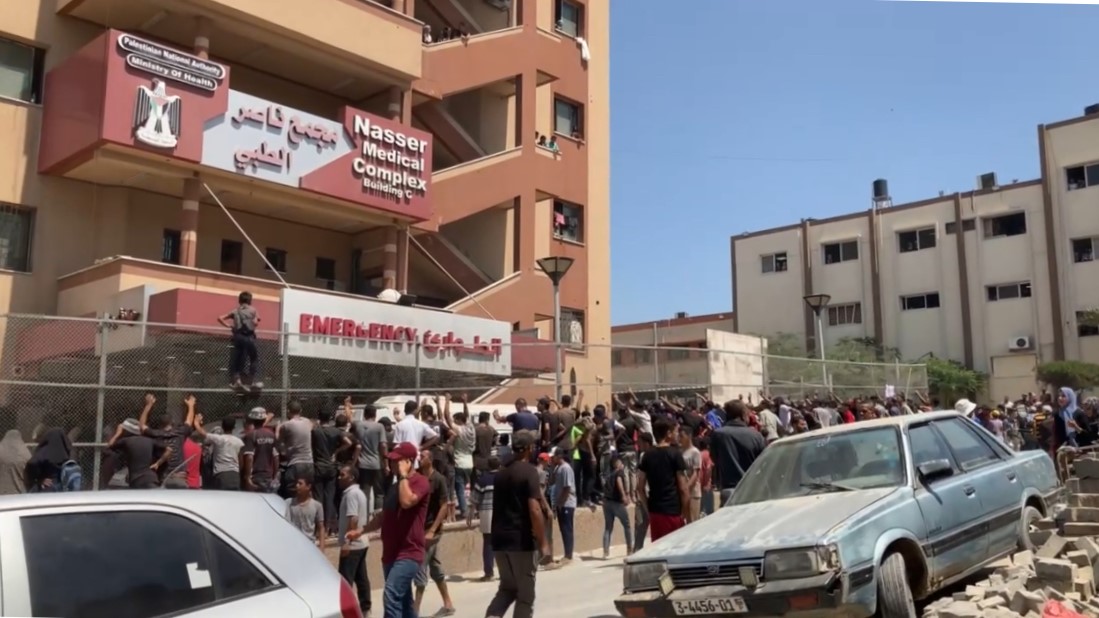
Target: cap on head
x=257, y=414
x=404, y=450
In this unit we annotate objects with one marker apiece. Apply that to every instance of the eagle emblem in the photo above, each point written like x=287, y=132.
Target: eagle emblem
x=157, y=116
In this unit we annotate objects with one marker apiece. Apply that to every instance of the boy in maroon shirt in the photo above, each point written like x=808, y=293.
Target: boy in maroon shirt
x=401, y=521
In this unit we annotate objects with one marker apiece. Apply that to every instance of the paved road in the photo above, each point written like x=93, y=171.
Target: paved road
x=584, y=589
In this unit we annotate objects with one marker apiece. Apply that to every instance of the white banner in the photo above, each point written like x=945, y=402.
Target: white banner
x=372, y=331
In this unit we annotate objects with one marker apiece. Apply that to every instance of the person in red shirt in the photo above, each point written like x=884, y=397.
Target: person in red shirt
x=192, y=455
x=401, y=522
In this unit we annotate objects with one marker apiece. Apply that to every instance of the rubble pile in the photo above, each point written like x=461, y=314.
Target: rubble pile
x=1056, y=579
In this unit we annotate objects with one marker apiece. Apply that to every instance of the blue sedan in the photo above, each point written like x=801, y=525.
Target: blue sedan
x=854, y=520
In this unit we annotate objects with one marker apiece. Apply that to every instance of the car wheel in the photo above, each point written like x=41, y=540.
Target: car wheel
x=894, y=593
x=1027, y=524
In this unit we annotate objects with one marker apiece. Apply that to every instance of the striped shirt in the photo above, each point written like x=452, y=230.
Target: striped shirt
x=482, y=500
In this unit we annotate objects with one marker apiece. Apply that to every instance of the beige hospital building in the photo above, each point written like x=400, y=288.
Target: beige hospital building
x=994, y=277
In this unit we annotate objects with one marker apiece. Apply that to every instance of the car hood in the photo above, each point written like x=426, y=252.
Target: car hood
x=748, y=530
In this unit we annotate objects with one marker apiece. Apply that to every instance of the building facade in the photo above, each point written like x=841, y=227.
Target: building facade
x=994, y=278
x=196, y=149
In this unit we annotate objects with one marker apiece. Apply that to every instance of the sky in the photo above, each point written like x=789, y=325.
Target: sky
x=730, y=116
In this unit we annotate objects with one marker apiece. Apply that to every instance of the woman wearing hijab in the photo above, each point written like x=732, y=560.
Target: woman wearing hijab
x=51, y=467
x=14, y=456
x=1064, y=427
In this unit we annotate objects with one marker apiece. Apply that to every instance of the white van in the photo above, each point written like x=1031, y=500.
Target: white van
x=386, y=407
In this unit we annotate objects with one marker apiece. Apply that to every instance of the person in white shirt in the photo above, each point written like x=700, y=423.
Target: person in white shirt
x=414, y=431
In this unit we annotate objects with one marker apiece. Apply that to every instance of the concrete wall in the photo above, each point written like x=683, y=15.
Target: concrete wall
x=736, y=364
x=460, y=547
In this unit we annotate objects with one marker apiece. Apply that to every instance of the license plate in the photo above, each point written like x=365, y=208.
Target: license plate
x=709, y=607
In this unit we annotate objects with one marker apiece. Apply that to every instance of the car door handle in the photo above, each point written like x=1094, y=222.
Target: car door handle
x=1011, y=476
x=969, y=490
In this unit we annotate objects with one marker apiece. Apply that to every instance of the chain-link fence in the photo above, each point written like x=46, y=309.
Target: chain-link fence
x=88, y=375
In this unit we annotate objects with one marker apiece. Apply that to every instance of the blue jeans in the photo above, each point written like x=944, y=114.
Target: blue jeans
x=564, y=523
x=462, y=477
x=616, y=511
x=397, y=595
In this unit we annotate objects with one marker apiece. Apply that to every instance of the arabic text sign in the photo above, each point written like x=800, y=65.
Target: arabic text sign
x=370, y=331
x=271, y=142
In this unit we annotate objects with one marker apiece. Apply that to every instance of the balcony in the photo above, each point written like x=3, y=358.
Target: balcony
x=463, y=64
x=191, y=299
x=358, y=46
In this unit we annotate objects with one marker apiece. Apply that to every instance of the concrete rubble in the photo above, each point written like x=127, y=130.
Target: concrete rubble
x=1062, y=570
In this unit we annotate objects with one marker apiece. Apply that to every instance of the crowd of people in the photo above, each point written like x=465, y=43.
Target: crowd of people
x=409, y=472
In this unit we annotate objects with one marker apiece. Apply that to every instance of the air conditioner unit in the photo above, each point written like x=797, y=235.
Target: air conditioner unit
x=1021, y=342
x=503, y=5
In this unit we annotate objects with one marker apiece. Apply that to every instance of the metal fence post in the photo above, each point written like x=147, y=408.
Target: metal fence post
x=284, y=337
x=100, y=403
x=418, y=348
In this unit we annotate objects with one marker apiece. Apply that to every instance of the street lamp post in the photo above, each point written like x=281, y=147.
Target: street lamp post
x=555, y=268
x=817, y=302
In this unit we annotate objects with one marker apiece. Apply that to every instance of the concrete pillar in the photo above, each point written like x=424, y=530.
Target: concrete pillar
x=188, y=235
x=402, y=259
x=389, y=259
x=192, y=187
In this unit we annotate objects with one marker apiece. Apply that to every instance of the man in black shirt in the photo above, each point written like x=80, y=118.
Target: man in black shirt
x=661, y=483
x=438, y=510
x=625, y=444
x=143, y=456
x=518, y=529
x=733, y=448
x=171, y=437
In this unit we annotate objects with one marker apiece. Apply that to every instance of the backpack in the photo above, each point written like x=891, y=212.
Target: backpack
x=72, y=477
x=246, y=322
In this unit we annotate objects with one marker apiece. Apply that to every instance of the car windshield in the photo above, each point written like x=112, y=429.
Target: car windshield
x=831, y=462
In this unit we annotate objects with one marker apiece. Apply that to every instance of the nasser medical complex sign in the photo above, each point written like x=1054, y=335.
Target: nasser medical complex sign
x=358, y=157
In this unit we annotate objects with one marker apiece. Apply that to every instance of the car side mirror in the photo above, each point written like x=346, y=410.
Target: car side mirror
x=935, y=469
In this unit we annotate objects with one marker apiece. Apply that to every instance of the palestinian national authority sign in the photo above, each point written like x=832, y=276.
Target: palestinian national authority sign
x=167, y=63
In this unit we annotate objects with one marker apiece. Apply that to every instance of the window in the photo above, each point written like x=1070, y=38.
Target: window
x=16, y=231
x=927, y=445
x=568, y=118
x=616, y=358
x=1008, y=291
x=968, y=225
x=21, y=71
x=170, y=248
x=916, y=240
x=568, y=221
x=774, y=263
x=920, y=301
x=276, y=258
x=1083, y=328
x=850, y=313
x=1084, y=249
x=1006, y=225
x=841, y=252
x=572, y=326
x=326, y=272
x=569, y=18
x=1082, y=176
x=232, y=257
x=969, y=449
x=117, y=576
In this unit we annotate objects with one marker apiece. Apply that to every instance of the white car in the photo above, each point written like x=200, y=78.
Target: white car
x=140, y=554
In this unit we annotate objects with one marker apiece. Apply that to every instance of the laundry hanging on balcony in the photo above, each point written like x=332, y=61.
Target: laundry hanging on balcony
x=585, y=53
